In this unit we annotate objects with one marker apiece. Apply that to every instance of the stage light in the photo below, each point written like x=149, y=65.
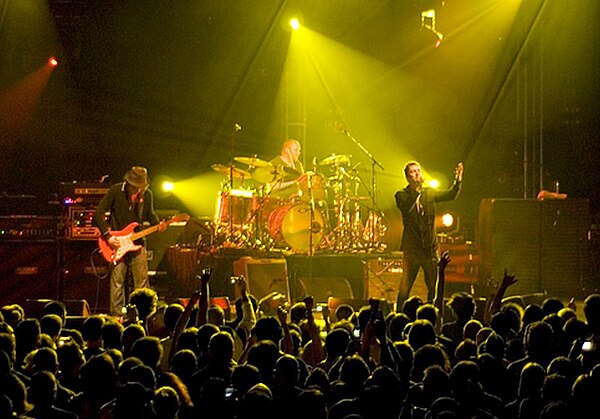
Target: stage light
x=52, y=62
x=168, y=186
x=434, y=184
x=447, y=220
x=295, y=24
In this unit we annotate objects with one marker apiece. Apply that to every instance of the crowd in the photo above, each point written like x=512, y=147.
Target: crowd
x=422, y=361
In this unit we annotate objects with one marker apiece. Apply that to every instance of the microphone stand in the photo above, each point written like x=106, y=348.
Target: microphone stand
x=230, y=192
x=374, y=163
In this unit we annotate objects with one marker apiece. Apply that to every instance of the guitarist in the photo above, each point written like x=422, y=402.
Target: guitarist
x=127, y=202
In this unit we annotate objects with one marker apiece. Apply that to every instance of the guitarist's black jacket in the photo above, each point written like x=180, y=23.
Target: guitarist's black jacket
x=122, y=211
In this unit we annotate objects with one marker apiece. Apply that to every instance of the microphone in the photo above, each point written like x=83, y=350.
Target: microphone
x=238, y=127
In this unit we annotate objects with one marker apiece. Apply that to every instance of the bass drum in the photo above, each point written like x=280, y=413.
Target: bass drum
x=289, y=226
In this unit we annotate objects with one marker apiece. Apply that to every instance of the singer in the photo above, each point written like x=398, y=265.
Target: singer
x=419, y=239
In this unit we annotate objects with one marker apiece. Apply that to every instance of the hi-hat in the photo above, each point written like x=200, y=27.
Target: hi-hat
x=252, y=161
x=231, y=170
x=335, y=159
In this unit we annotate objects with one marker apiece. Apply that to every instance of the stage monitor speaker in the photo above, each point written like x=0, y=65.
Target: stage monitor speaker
x=28, y=270
x=324, y=276
x=543, y=242
x=85, y=276
x=263, y=276
x=80, y=308
x=34, y=308
x=384, y=275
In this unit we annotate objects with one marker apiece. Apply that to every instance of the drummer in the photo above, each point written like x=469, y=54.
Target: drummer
x=289, y=158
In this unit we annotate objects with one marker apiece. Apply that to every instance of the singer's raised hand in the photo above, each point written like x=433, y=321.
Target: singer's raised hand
x=458, y=172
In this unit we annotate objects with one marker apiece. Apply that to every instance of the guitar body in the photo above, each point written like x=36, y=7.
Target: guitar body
x=126, y=244
x=127, y=236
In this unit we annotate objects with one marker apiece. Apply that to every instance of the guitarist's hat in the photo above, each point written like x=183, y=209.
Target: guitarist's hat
x=137, y=176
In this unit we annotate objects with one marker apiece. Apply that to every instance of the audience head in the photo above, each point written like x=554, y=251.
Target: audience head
x=145, y=301
x=410, y=306
x=462, y=305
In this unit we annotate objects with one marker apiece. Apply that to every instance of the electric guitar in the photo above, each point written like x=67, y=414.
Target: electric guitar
x=127, y=237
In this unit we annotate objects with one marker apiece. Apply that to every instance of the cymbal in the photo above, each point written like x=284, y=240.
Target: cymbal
x=252, y=161
x=270, y=173
x=335, y=159
x=227, y=170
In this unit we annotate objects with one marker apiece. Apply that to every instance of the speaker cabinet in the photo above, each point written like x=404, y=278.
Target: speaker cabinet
x=85, y=276
x=157, y=246
x=325, y=276
x=263, y=276
x=28, y=270
x=384, y=276
x=543, y=242
x=564, y=247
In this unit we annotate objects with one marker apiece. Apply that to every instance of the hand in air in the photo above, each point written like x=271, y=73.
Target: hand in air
x=282, y=315
x=206, y=274
x=458, y=172
x=310, y=303
x=444, y=260
x=508, y=280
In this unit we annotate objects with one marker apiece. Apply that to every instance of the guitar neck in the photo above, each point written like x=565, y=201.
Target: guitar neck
x=146, y=231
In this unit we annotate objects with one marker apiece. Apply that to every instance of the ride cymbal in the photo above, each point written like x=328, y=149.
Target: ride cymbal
x=231, y=170
x=252, y=161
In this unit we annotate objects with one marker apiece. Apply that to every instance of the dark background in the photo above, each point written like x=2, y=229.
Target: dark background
x=162, y=83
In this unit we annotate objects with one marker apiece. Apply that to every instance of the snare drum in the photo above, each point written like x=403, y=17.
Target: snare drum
x=241, y=205
x=318, y=182
x=289, y=226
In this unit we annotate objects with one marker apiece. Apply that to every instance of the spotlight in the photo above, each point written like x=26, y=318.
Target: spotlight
x=447, y=220
x=52, y=62
x=168, y=186
x=434, y=184
x=295, y=24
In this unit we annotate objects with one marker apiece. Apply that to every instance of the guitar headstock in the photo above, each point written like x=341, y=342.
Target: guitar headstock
x=178, y=218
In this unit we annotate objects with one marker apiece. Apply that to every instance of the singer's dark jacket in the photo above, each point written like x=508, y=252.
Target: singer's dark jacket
x=419, y=236
x=122, y=211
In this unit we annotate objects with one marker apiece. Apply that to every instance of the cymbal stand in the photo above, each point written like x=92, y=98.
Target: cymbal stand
x=260, y=233
x=374, y=163
x=311, y=216
x=342, y=233
x=229, y=239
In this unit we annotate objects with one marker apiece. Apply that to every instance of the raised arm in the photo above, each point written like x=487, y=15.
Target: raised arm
x=496, y=302
x=203, y=302
x=182, y=322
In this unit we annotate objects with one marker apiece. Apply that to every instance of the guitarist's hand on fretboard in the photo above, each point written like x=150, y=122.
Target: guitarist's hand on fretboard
x=162, y=226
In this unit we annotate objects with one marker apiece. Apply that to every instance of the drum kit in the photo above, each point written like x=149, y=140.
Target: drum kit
x=325, y=213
